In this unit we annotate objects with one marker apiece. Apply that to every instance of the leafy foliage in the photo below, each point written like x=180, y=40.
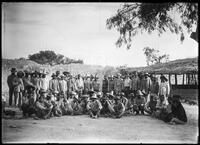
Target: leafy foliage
x=50, y=57
x=138, y=17
x=152, y=56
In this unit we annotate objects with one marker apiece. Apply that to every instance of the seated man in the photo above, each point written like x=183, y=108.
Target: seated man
x=83, y=102
x=28, y=102
x=43, y=108
x=150, y=105
x=127, y=103
x=65, y=107
x=75, y=105
x=160, y=107
x=104, y=99
x=139, y=103
x=177, y=111
x=117, y=109
x=94, y=106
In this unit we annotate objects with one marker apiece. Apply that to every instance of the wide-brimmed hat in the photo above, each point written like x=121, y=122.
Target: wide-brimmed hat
x=76, y=96
x=99, y=93
x=139, y=93
x=13, y=69
x=42, y=91
x=117, y=98
x=73, y=93
x=66, y=73
x=85, y=96
x=94, y=96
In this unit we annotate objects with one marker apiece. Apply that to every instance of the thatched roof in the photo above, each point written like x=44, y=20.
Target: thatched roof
x=180, y=66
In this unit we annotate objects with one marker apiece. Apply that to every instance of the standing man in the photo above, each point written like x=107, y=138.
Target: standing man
x=54, y=84
x=118, y=84
x=134, y=83
x=111, y=85
x=87, y=85
x=105, y=85
x=18, y=89
x=44, y=82
x=63, y=86
x=80, y=85
x=10, y=85
x=96, y=85
x=164, y=88
x=127, y=85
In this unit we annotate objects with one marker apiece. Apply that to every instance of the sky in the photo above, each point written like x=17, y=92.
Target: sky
x=78, y=31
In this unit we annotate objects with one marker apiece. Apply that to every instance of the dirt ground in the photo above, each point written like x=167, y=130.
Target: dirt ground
x=82, y=129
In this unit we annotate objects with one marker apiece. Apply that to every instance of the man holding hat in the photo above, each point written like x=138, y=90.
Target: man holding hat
x=139, y=103
x=94, y=106
x=10, y=85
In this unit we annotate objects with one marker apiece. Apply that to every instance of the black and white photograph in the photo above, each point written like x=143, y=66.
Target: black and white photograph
x=100, y=72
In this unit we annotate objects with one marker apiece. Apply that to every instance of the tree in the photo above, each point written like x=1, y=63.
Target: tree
x=50, y=57
x=44, y=57
x=153, y=57
x=138, y=17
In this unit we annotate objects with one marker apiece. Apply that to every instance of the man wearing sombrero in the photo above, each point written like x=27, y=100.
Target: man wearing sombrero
x=10, y=85
x=94, y=106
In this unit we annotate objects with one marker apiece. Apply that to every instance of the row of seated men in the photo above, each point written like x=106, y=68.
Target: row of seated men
x=97, y=104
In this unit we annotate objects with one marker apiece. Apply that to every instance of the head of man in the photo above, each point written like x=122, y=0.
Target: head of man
x=163, y=78
x=13, y=71
x=176, y=100
x=20, y=74
x=57, y=73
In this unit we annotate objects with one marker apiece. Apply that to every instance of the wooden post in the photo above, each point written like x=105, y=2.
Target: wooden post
x=188, y=79
x=176, y=79
x=183, y=78
x=169, y=75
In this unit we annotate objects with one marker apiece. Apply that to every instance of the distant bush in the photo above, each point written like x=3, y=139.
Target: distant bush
x=51, y=58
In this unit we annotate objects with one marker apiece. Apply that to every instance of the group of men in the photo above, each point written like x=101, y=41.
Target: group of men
x=115, y=96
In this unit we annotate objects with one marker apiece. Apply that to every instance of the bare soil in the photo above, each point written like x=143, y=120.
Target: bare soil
x=82, y=129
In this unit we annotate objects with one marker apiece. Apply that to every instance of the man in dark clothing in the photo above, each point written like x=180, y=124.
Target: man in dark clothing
x=10, y=85
x=178, y=112
x=105, y=85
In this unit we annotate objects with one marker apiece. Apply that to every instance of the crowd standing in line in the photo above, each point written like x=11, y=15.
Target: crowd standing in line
x=115, y=96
